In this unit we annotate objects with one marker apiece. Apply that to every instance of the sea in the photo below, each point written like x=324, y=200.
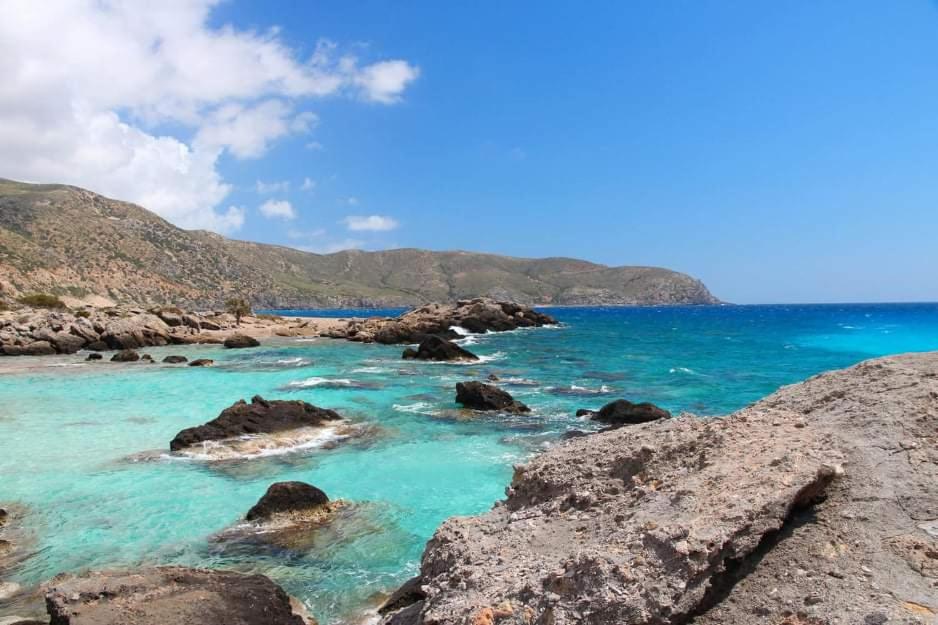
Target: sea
x=84, y=446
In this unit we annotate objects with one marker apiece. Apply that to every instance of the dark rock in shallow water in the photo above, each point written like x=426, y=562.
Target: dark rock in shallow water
x=94, y=356
x=236, y=341
x=147, y=358
x=258, y=417
x=623, y=412
x=175, y=360
x=202, y=362
x=287, y=497
x=436, y=348
x=126, y=355
x=481, y=396
x=170, y=596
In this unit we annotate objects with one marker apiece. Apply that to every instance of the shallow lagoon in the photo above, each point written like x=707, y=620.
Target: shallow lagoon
x=75, y=435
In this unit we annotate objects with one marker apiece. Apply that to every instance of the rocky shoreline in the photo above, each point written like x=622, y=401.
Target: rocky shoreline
x=817, y=505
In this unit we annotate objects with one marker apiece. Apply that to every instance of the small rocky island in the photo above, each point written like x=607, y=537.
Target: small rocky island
x=260, y=417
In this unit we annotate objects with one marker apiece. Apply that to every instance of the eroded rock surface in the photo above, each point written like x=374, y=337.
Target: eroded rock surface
x=239, y=341
x=287, y=498
x=815, y=506
x=438, y=349
x=479, y=396
x=258, y=417
x=170, y=595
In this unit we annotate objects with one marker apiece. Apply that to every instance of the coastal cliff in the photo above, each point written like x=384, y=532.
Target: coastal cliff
x=74, y=243
x=817, y=505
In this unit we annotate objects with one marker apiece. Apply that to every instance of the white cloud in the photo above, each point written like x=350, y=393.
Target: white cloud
x=331, y=247
x=372, y=223
x=352, y=201
x=276, y=186
x=89, y=86
x=385, y=81
x=278, y=209
x=308, y=184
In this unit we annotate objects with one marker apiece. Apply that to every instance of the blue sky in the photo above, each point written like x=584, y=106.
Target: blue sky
x=781, y=152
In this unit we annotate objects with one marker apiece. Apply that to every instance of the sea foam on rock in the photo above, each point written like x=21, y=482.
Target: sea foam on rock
x=813, y=506
x=258, y=417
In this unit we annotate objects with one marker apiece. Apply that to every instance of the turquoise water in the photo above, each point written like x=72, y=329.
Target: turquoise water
x=74, y=434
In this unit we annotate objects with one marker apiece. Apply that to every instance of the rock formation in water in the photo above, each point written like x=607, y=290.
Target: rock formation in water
x=175, y=359
x=287, y=498
x=438, y=349
x=238, y=341
x=623, y=412
x=171, y=596
x=258, y=417
x=479, y=396
x=815, y=506
x=476, y=315
x=202, y=362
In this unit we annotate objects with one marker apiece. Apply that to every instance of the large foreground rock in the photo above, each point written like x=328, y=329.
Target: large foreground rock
x=239, y=341
x=815, y=506
x=170, y=596
x=476, y=315
x=258, y=417
x=438, y=349
x=479, y=396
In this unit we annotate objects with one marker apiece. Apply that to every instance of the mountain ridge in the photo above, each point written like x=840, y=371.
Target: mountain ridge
x=75, y=243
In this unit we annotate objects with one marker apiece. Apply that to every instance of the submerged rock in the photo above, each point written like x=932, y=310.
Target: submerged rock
x=202, y=362
x=623, y=412
x=750, y=518
x=258, y=417
x=288, y=498
x=436, y=348
x=125, y=355
x=479, y=396
x=237, y=341
x=175, y=360
x=170, y=595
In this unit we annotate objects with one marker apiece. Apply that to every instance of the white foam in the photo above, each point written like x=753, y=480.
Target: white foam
x=420, y=407
x=317, y=381
x=461, y=331
x=299, y=362
x=369, y=370
x=264, y=445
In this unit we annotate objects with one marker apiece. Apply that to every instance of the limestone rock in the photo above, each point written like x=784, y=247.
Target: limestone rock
x=439, y=349
x=479, y=396
x=287, y=498
x=237, y=341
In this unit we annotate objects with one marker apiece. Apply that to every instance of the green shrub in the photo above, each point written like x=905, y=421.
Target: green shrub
x=42, y=300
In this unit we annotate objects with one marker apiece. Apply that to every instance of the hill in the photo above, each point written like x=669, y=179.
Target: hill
x=72, y=242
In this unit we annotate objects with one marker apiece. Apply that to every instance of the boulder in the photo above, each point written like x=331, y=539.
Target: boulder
x=38, y=348
x=175, y=360
x=146, y=358
x=479, y=396
x=202, y=362
x=94, y=356
x=623, y=412
x=205, y=324
x=125, y=355
x=237, y=341
x=436, y=348
x=140, y=330
x=258, y=417
x=191, y=321
x=170, y=595
x=292, y=498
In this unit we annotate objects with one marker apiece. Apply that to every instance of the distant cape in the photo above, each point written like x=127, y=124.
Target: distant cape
x=79, y=245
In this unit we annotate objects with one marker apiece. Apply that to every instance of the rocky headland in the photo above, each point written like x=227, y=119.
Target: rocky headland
x=815, y=506
x=479, y=315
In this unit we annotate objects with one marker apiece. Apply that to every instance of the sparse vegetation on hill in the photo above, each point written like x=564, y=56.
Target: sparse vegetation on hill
x=42, y=300
x=66, y=240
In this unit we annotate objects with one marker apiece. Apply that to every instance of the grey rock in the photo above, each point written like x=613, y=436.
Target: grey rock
x=479, y=396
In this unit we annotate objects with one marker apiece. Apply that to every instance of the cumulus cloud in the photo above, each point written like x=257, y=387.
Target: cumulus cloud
x=369, y=223
x=308, y=184
x=91, y=86
x=278, y=209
